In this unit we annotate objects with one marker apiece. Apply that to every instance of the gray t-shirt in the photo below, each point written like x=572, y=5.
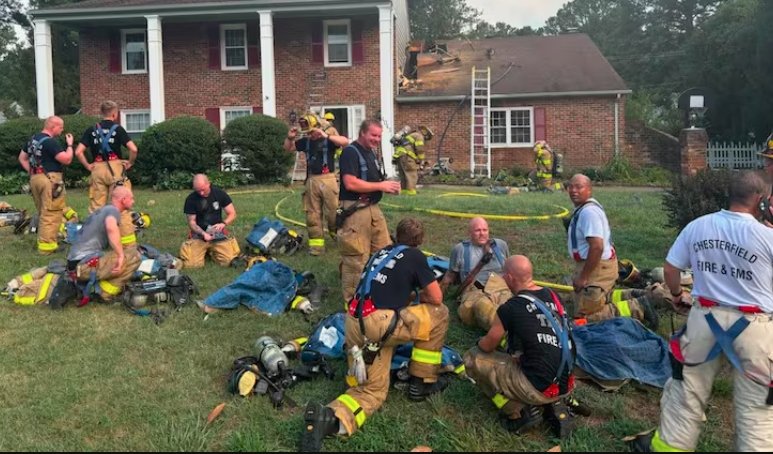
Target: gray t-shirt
x=92, y=238
x=496, y=265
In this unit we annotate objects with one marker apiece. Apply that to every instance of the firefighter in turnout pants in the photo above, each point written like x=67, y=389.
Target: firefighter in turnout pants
x=108, y=170
x=44, y=159
x=730, y=315
x=536, y=370
x=380, y=318
x=408, y=156
x=479, y=262
x=596, y=269
x=320, y=197
x=362, y=229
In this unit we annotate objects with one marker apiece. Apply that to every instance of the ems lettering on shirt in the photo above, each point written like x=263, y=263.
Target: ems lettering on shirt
x=706, y=266
x=381, y=278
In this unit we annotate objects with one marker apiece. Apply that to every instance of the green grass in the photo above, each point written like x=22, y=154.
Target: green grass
x=100, y=379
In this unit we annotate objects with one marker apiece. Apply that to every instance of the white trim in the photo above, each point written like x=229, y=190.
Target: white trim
x=508, y=126
x=556, y=94
x=125, y=123
x=354, y=125
x=386, y=62
x=267, y=63
x=133, y=31
x=223, y=60
x=44, y=74
x=224, y=109
x=325, y=25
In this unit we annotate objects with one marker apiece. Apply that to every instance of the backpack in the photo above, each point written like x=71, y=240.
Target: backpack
x=558, y=165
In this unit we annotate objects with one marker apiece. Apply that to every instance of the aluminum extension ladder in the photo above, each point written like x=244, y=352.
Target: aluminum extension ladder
x=480, y=143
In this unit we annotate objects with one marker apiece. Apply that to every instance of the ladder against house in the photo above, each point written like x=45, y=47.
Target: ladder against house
x=316, y=97
x=480, y=146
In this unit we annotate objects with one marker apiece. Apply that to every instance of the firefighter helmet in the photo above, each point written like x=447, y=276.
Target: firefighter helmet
x=426, y=132
x=329, y=116
x=768, y=151
x=308, y=122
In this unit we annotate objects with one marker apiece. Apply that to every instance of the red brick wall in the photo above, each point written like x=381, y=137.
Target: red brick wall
x=191, y=86
x=582, y=129
x=646, y=146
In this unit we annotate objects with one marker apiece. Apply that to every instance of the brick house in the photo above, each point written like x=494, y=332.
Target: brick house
x=220, y=60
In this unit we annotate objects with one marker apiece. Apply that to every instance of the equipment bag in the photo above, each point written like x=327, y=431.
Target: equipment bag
x=272, y=237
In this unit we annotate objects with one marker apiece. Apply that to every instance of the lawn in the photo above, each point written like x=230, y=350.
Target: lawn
x=100, y=379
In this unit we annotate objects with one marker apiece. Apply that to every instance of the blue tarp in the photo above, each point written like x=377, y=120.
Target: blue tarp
x=266, y=287
x=622, y=348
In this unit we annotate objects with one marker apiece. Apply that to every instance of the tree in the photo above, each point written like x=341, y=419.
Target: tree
x=434, y=19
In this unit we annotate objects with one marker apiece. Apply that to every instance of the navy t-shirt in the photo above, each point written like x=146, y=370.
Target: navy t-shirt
x=349, y=164
x=314, y=150
x=408, y=271
x=90, y=138
x=49, y=149
x=529, y=332
x=208, y=210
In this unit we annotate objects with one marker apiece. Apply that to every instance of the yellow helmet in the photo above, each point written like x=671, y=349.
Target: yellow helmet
x=308, y=122
x=329, y=116
x=628, y=274
x=140, y=220
x=768, y=151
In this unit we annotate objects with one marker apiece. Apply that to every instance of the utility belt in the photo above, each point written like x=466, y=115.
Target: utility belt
x=110, y=157
x=747, y=309
x=361, y=309
x=554, y=390
x=343, y=213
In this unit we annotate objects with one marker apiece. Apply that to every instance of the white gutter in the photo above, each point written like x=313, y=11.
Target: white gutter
x=564, y=94
x=617, y=125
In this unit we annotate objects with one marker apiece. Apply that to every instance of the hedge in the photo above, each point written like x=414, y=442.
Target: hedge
x=258, y=139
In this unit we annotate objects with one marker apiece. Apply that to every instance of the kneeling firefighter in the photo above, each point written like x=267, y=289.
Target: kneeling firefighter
x=409, y=155
x=379, y=319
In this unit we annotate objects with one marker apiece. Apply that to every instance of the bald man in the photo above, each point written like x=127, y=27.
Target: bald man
x=477, y=265
x=532, y=375
x=204, y=208
x=44, y=159
x=105, y=273
x=589, y=240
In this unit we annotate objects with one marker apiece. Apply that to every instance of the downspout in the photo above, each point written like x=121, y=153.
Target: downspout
x=617, y=125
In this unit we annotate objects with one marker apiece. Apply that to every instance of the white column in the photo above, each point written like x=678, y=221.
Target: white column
x=156, y=70
x=267, y=64
x=44, y=69
x=386, y=63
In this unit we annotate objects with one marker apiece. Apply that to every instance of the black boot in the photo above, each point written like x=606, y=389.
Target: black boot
x=577, y=407
x=530, y=417
x=65, y=291
x=560, y=419
x=418, y=390
x=641, y=442
x=651, y=318
x=319, y=422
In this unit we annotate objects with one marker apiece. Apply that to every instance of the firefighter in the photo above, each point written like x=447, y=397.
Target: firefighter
x=43, y=158
x=361, y=226
x=543, y=157
x=108, y=169
x=380, y=318
x=320, y=196
x=409, y=155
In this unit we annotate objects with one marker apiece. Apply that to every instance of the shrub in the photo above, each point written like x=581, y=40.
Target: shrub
x=228, y=179
x=13, y=182
x=182, y=144
x=258, y=139
x=14, y=135
x=692, y=197
x=75, y=125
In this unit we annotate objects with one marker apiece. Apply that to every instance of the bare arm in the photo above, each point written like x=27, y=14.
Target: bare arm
x=431, y=294
x=196, y=229
x=66, y=157
x=355, y=184
x=449, y=279
x=132, y=153
x=24, y=160
x=289, y=143
x=595, y=249
x=489, y=342
x=79, y=153
x=114, y=238
x=673, y=277
x=230, y=214
x=339, y=141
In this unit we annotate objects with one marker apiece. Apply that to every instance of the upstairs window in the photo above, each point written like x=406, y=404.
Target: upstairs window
x=134, y=51
x=338, y=42
x=233, y=46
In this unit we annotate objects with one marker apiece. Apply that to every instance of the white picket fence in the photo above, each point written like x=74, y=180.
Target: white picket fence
x=733, y=155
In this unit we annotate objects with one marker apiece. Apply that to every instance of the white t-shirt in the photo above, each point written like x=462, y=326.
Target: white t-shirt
x=591, y=222
x=731, y=256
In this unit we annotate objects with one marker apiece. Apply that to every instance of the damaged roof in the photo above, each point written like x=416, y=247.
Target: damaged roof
x=521, y=67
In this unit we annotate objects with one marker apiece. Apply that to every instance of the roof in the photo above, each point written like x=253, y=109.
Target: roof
x=119, y=8
x=521, y=66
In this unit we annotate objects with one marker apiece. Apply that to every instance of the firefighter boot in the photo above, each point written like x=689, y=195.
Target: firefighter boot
x=641, y=442
x=651, y=318
x=418, y=389
x=530, y=417
x=65, y=291
x=319, y=422
x=560, y=419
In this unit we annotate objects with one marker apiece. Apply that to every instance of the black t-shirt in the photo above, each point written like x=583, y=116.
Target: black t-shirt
x=315, y=154
x=349, y=164
x=392, y=287
x=208, y=210
x=90, y=138
x=48, y=151
x=529, y=332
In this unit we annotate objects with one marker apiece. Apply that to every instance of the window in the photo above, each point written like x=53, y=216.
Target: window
x=233, y=46
x=513, y=127
x=347, y=118
x=135, y=122
x=134, y=51
x=228, y=114
x=338, y=43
